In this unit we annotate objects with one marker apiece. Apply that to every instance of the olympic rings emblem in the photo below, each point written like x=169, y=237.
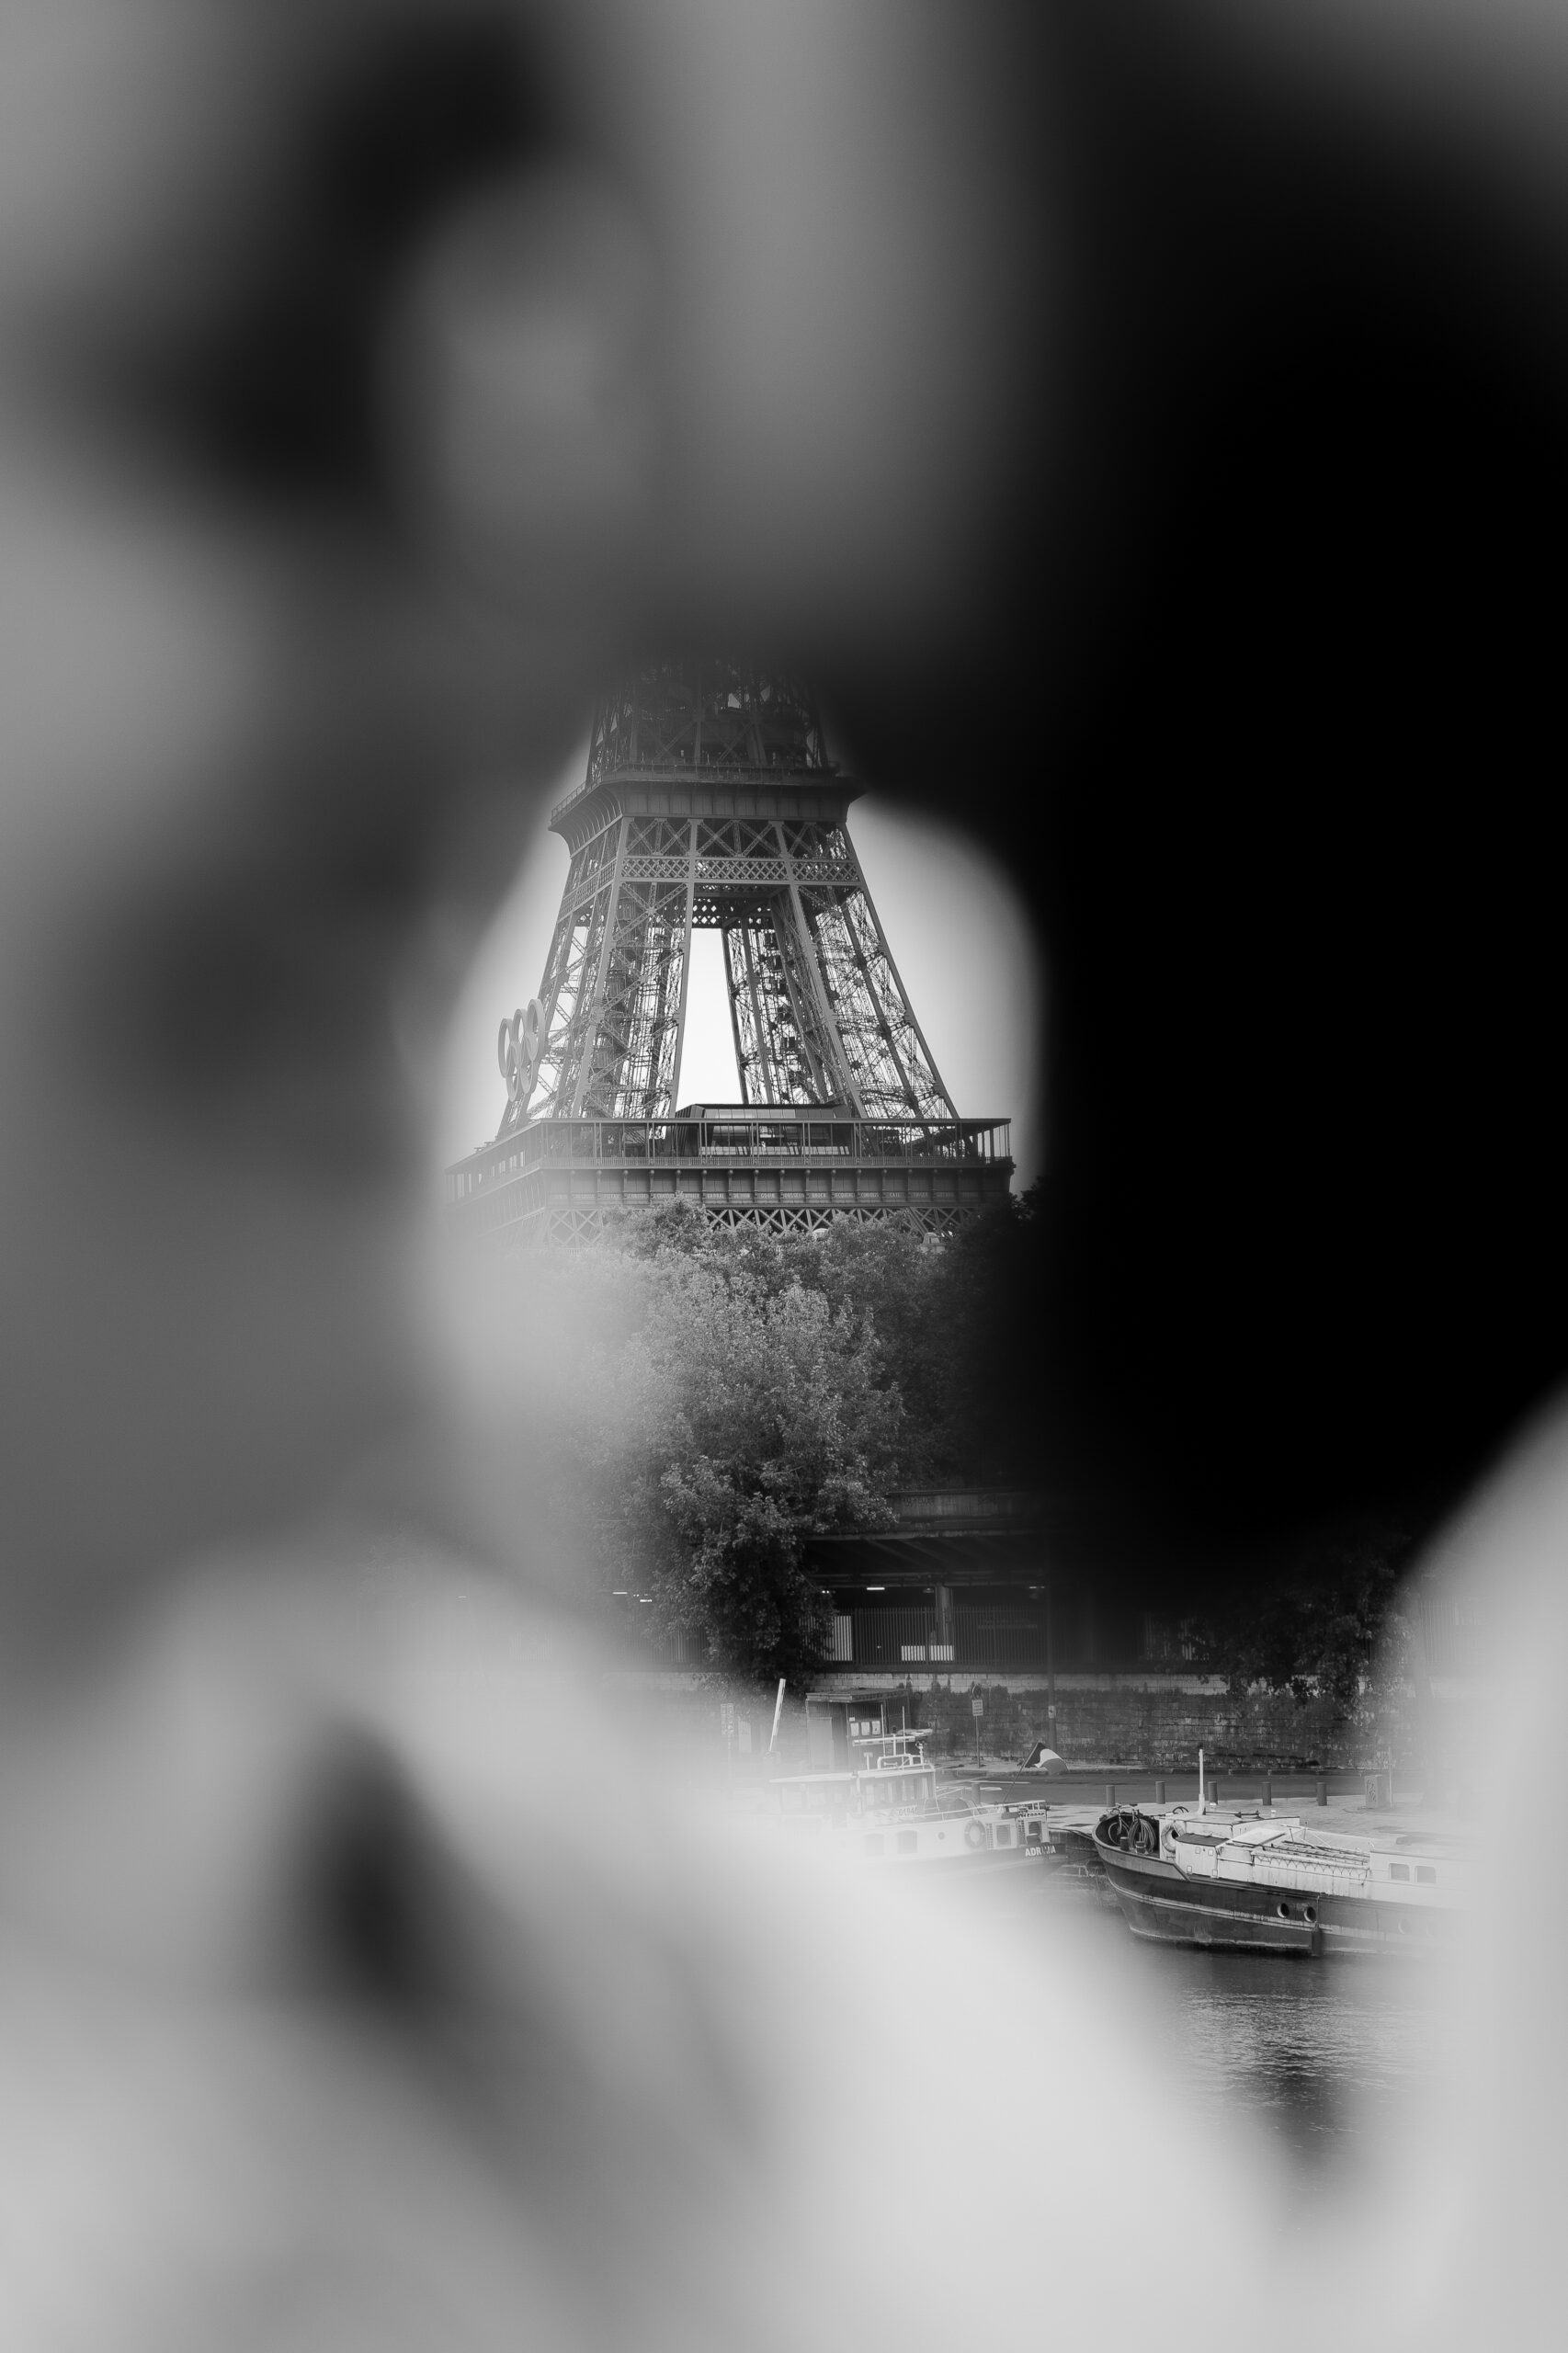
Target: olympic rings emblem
x=518, y=1049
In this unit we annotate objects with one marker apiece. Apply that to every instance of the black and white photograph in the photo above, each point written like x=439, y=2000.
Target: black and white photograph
x=783, y=1197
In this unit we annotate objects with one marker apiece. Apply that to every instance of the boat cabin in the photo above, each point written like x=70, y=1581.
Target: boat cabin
x=888, y=1807
x=884, y=1774
x=872, y=1791
x=893, y=1774
x=817, y=1801
x=835, y=1719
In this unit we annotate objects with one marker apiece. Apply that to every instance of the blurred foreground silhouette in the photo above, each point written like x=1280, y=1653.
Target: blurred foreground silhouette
x=1151, y=432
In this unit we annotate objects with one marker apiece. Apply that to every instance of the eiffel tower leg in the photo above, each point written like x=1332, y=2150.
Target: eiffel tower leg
x=847, y=1086
x=565, y=995
x=662, y=980
x=813, y=1079
x=633, y=1044
x=911, y=1055
x=754, y=1059
x=890, y=1086
x=743, y=1026
x=557, y=967
x=767, y=1005
x=558, y=976
x=898, y=1078
x=591, y=1016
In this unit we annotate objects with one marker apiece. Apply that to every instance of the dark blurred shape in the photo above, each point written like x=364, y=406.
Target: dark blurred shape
x=401, y=114
x=1272, y=693
x=384, y=1906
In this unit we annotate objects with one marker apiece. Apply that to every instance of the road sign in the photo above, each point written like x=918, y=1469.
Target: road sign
x=727, y=1718
x=977, y=1703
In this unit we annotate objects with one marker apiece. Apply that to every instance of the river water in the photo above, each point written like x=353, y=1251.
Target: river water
x=1338, y=2062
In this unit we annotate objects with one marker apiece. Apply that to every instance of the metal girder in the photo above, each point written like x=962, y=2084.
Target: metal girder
x=783, y=1050
x=894, y=1071
x=557, y=1224
x=818, y=1012
x=746, y=1027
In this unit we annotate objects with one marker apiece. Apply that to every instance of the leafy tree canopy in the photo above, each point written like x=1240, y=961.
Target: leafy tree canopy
x=730, y=1412
x=1324, y=1623
x=734, y=1394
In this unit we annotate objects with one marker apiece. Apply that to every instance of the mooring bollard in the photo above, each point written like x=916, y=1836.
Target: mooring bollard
x=1322, y=1789
x=1110, y=1793
x=1268, y=1791
x=1159, y=1793
x=1214, y=1789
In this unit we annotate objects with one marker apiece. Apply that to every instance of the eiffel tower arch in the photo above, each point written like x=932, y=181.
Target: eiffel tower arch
x=710, y=803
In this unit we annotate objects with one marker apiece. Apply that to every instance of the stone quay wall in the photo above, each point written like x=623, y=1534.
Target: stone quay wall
x=1132, y=1721
x=1153, y=1724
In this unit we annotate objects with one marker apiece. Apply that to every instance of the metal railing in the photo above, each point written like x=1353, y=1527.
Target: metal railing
x=977, y=1635
x=675, y=768
x=942, y=1506
x=694, y=1142
x=896, y=1638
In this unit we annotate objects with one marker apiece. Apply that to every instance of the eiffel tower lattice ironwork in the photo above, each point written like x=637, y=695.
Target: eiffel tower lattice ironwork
x=710, y=803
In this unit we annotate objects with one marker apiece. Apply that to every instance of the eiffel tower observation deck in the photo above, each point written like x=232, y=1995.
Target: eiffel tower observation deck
x=710, y=803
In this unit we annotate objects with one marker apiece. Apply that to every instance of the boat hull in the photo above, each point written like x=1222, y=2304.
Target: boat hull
x=1162, y=1904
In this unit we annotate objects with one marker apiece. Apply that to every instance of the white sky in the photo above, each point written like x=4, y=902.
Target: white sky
x=956, y=933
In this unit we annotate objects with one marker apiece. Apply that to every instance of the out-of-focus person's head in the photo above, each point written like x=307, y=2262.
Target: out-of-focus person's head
x=367, y=373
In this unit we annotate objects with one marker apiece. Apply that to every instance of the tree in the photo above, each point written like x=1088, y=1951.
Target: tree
x=886, y=1281
x=1324, y=1624
x=727, y=1412
x=714, y=1398
x=959, y=1321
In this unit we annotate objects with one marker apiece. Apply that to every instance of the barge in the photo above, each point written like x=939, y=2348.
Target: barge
x=1252, y=1881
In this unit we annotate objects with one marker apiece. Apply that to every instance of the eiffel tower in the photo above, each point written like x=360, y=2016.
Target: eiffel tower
x=709, y=802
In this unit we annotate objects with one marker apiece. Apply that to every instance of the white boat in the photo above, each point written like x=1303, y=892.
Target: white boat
x=889, y=1807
